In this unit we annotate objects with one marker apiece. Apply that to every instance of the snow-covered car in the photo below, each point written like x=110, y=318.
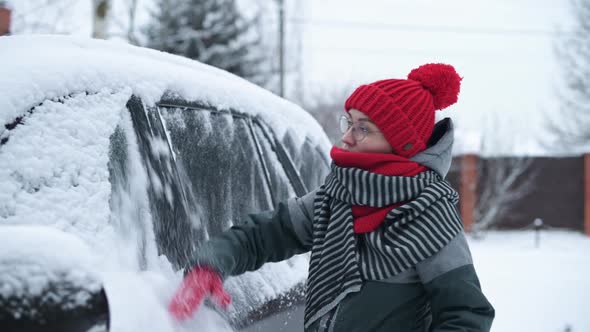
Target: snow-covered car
x=116, y=162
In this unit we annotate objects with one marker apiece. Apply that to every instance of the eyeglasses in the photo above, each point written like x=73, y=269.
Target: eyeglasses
x=359, y=130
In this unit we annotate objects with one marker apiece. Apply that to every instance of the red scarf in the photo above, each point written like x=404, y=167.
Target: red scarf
x=367, y=218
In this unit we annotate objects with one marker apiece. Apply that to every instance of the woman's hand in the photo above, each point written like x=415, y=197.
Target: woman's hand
x=198, y=284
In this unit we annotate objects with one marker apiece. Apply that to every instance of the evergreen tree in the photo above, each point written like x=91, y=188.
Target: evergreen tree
x=572, y=124
x=213, y=32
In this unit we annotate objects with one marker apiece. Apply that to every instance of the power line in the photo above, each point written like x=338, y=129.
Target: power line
x=426, y=28
x=409, y=52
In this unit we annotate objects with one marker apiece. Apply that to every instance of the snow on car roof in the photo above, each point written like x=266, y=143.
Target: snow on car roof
x=39, y=67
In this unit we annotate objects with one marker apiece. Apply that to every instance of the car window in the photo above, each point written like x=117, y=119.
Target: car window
x=174, y=213
x=281, y=183
x=218, y=156
x=53, y=162
x=232, y=169
x=308, y=158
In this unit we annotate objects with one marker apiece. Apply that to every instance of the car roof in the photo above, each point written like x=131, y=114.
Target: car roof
x=40, y=67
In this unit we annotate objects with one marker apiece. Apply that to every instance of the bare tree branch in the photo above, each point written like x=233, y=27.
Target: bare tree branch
x=571, y=126
x=506, y=180
x=33, y=11
x=43, y=16
x=326, y=105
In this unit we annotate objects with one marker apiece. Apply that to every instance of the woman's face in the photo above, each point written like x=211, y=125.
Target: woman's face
x=363, y=135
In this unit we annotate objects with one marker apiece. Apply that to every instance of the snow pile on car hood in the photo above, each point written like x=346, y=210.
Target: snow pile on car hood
x=40, y=261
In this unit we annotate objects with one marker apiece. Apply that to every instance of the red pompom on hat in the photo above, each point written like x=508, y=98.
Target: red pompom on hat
x=403, y=109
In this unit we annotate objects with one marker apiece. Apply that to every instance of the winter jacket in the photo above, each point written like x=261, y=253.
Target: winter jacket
x=441, y=293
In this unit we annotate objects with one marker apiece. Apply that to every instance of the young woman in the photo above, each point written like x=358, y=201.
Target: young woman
x=388, y=252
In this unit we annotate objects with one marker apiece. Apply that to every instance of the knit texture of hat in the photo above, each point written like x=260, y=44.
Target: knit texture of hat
x=403, y=109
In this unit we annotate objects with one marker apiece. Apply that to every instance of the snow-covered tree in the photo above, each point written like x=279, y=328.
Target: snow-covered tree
x=41, y=16
x=572, y=124
x=211, y=31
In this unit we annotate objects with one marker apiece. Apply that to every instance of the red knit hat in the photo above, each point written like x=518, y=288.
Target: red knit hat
x=403, y=109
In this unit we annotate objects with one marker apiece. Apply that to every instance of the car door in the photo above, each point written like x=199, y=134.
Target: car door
x=228, y=163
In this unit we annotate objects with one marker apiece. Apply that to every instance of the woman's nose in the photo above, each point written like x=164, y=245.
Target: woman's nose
x=348, y=138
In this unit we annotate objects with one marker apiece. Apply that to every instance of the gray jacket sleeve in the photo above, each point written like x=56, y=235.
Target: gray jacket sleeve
x=456, y=299
x=269, y=236
x=455, y=254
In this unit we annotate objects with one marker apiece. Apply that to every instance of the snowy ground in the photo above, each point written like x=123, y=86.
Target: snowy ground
x=545, y=289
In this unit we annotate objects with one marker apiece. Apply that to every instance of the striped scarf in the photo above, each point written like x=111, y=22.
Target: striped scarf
x=342, y=260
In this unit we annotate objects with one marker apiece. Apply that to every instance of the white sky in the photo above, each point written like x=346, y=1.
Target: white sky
x=502, y=48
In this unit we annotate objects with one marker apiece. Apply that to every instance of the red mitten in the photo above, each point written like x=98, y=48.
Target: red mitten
x=198, y=284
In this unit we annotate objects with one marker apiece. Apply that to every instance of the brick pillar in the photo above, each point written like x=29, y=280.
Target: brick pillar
x=468, y=190
x=5, y=14
x=587, y=194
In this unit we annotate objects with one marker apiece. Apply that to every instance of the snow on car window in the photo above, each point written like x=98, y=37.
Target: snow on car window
x=219, y=157
x=53, y=168
x=311, y=159
x=75, y=210
x=280, y=184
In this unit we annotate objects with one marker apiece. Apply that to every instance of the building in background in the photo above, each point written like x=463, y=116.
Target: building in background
x=5, y=15
x=559, y=194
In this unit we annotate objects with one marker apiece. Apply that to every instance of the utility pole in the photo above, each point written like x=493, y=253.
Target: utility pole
x=281, y=48
x=297, y=33
x=100, y=12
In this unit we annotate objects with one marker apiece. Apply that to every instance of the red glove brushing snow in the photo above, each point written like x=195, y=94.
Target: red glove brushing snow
x=198, y=284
